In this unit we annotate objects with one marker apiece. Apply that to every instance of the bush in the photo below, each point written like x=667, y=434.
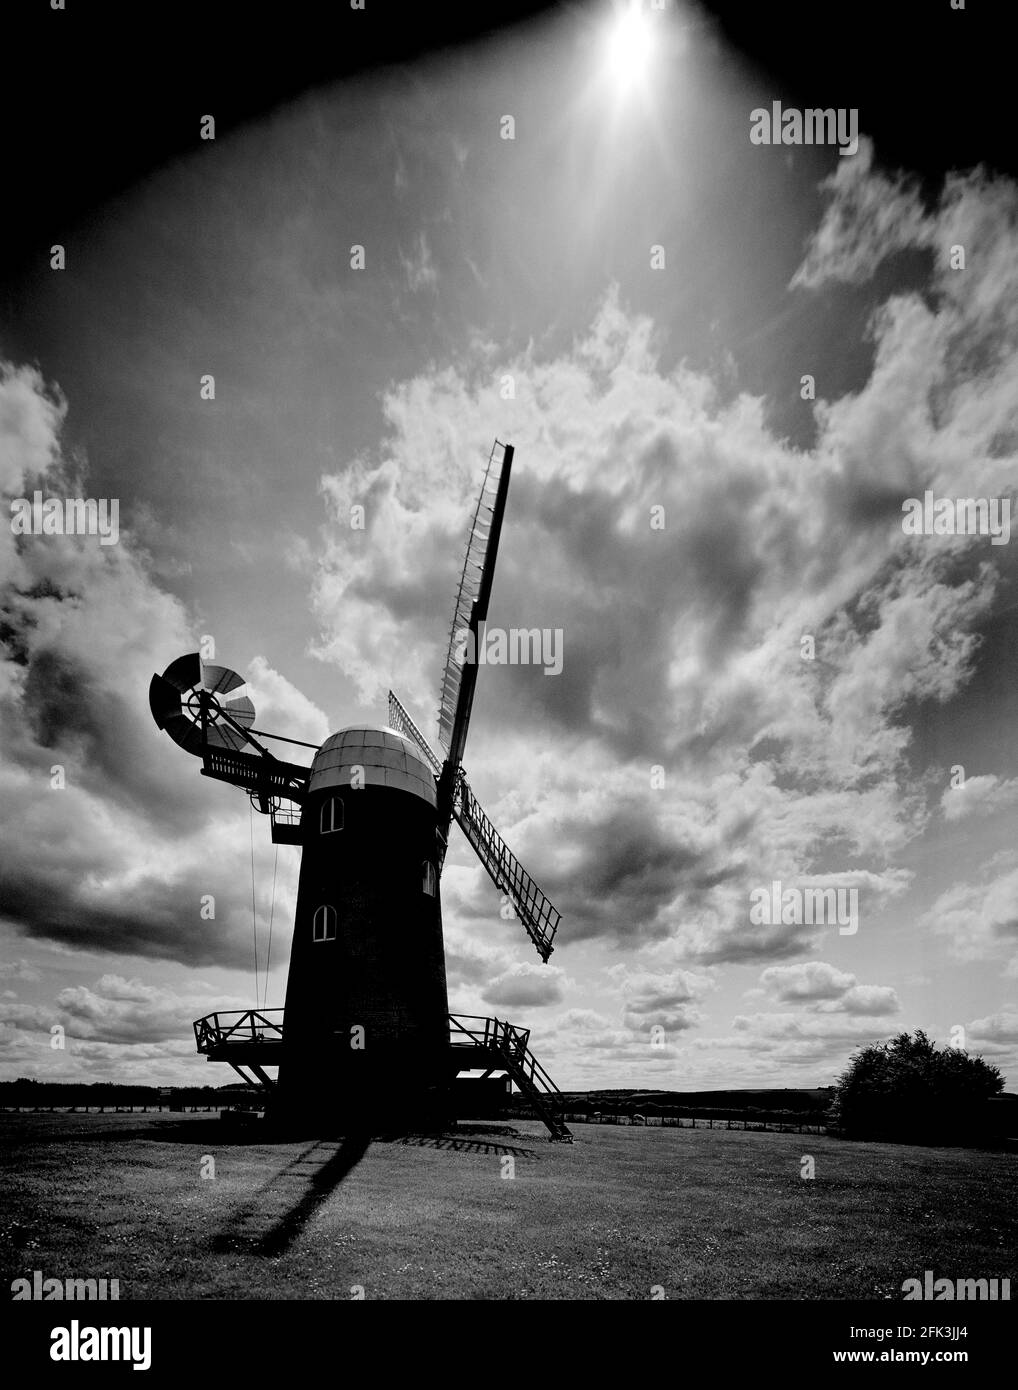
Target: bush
x=906, y=1089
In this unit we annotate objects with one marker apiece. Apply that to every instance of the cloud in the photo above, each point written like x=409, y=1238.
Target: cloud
x=118, y=856
x=687, y=752
x=665, y=1000
x=418, y=267
x=870, y=216
x=597, y=1047
x=526, y=986
x=118, y=1010
x=809, y=980
x=978, y=919
x=115, y=1028
x=280, y=706
x=28, y=1052
x=39, y=1017
x=999, y=1028
x=979, y=796
x=19, y=970
x=833, y=1027
x=869, y=1000
x=823, y=989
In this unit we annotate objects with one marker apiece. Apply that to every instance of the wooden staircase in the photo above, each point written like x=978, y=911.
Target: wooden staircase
x=495, y=1045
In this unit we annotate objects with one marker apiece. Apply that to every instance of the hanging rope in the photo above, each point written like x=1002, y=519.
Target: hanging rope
x=272, y=908
x=254, y=917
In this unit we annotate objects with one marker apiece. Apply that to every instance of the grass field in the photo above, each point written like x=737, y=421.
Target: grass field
x=700, y=1213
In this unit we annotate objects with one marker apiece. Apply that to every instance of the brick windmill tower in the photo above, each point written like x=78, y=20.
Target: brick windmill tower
x=366, y=1036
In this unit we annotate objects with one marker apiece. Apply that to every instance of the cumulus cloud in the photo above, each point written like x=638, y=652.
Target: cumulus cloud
x=812, y=979
x=977, y=919
x=813, y=1045
x=824, y=989
x=526, y=985
x=869, y=1000
x=115, y=1027
x=998, y=1028
x=595, y=1047
x=280, y=708
x=979, y=796
x=110, y=838
x=660, y=999
x=688, y=752
x=118, y=1010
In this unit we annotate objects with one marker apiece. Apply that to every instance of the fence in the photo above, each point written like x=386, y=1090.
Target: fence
x=103, y=1109
x=690, y=1122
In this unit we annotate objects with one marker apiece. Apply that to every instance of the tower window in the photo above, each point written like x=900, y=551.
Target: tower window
x=428, y=875
x=332, y=815
x=324, y=924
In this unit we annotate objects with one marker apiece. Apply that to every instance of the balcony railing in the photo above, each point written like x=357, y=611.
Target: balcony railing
x=473, y=1030
x=266, y=1025
x=238, y=1026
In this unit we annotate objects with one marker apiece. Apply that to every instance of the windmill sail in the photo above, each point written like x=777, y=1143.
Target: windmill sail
x=509, y=876
x=455, y=799
x=474, y=586
x=403, y=724
x=506, y=872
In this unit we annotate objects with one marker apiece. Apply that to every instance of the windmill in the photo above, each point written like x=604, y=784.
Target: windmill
x=365, y=1034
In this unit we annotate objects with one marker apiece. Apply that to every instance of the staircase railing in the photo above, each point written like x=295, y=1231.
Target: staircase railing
x=510, y=1045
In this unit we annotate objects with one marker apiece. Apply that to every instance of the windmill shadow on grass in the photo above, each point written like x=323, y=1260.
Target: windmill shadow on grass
x=462, y=1144
x=274, y=1219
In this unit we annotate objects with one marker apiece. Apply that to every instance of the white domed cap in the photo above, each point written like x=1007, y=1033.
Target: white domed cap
x=388, y=760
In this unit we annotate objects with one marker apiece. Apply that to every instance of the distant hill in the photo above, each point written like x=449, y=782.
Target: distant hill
x=999, y=1121
x=788, y=1100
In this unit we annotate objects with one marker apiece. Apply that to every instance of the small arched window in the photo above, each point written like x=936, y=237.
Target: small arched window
x=332, y=815
x=428, y=878
x=324, y=925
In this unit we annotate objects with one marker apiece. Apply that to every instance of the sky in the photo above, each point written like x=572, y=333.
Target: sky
x=764, y=677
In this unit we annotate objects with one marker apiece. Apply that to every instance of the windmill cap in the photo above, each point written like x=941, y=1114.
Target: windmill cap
x=388, y=760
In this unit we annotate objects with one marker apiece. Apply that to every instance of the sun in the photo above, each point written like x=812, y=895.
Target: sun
x=628, y=45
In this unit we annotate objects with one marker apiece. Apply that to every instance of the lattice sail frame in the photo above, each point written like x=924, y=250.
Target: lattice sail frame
x=466, y=594
x=400, y=720
x=533, y=907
